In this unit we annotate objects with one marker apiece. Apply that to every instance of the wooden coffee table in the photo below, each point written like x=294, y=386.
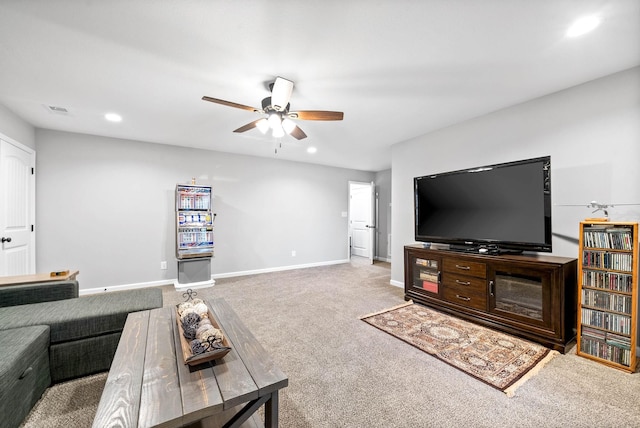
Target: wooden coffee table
x=149, y=385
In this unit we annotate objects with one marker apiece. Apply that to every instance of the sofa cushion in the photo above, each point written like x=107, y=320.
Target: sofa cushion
x=83, y=317
x=23, y=294
x=90, y=355
x=24, y=371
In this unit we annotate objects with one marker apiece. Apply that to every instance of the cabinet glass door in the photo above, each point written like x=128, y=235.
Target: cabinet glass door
x=519, y=293
x=426, y=275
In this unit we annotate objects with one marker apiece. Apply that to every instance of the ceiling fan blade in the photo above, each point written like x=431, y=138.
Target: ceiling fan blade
x=298, y=133
x=281, y=93
x=248, y=126
x=230, y=104
x=316, y=115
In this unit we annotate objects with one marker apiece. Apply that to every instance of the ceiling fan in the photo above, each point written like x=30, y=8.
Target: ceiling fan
x=277, y=117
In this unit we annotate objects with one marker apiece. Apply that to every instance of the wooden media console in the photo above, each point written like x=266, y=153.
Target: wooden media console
x=530, y=296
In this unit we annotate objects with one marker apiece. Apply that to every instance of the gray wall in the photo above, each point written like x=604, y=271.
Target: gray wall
x=383, y=190
x=591, y=131
x=15, y=128
x=106, y=207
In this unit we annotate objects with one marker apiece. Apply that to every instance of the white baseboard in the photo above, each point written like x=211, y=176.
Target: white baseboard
x=193, y=285
x=179, y=287
x=383, y=259
x=397, y=283
x=84, y=292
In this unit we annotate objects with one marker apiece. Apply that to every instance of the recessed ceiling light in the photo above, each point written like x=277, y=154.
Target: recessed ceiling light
x=583, y=26
x=113, y=117
x=311, y=150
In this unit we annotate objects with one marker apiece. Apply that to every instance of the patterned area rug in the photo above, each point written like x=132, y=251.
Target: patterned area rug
x=502, y=361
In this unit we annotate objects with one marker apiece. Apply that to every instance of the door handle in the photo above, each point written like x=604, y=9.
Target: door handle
x=6, y=239
x=370, y=227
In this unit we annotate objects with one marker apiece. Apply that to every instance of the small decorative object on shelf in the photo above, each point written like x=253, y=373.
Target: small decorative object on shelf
x=201, y=337
x=59, y=273
x=608, y=293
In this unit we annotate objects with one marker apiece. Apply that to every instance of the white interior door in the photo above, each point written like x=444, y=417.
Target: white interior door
x=17, y=209
x=373, y=216
x=361, y=219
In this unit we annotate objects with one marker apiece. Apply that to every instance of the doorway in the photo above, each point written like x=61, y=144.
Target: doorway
x=17, y=209
x=362, y=220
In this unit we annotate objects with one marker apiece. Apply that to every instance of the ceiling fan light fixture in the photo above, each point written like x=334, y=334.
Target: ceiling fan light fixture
x=274, y=121
x=262, y=125
x=278, y=132
x=288, y=125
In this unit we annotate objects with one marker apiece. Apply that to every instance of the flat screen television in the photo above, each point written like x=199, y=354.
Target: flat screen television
x=490, y=209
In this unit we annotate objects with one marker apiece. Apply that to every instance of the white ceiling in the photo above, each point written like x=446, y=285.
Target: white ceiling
x=397, y=69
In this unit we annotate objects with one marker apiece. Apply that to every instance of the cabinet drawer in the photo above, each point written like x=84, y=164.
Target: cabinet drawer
x=464, y=267
x=467, y=291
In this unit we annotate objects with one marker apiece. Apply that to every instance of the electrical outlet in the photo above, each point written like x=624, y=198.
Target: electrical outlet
x=163, y=265
x=293, y=253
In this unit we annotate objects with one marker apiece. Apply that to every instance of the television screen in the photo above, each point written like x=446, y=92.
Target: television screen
x=505, y=206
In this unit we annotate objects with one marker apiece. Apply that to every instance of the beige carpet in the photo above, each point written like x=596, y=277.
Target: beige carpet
x=500, y=360
x=68, y=404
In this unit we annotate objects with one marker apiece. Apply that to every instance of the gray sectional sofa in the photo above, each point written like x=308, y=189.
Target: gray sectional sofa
x=49, y=334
